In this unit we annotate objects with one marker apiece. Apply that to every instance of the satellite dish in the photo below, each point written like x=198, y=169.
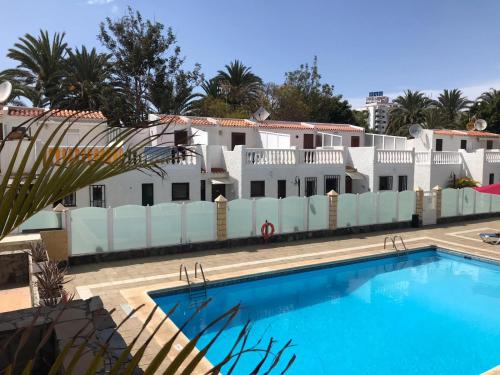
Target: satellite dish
x=415, y=130
x=5, y=91
x=261, y=114
x=480, y=124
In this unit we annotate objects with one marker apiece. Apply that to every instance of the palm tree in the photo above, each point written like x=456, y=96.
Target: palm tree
x=409, y=108
x=211, y=88
x=87, y=74
x=239, y=85
x=40, y=67
x=487, y=107
x=451, y=104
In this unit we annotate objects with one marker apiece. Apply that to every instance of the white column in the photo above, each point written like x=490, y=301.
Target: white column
x=110, y=228
x=148, y=226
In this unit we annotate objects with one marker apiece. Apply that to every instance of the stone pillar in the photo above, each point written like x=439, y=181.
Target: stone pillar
x=419, y=202
x=221, y=203
x=333, y=198
x=438, y=193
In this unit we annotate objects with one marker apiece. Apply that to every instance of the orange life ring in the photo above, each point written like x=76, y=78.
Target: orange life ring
x=264, y=230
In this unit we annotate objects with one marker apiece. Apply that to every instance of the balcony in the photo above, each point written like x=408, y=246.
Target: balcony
x=492, y=156
x=258, y=156
x=438, y=157
x=393, y=157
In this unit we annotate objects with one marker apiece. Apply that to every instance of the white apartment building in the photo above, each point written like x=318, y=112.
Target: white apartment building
x=241, y=158
x=378, y=107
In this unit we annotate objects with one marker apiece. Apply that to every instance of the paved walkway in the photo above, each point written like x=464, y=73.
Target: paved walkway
x=14, y=297
x=123, y=284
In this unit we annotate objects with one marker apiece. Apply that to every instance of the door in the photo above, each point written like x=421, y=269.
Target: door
x=348, y=184
x=219, y=189
x=308, y=141
x=237, y=139
x=439, y=144
x=147, y=195
x=311, y=183
x=180, y=137
x=402, y=183
x=355, y=141
x=281, y=188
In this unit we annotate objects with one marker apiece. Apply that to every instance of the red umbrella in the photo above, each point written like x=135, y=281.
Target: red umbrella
x=489, y=189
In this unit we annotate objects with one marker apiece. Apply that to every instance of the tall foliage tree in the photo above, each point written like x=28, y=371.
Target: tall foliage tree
x=146, y=63
x=40, y=68
x=409, y=108
x=303, y=97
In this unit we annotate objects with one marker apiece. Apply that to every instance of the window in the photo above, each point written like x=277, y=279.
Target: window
x=147, y=194
x=257, y=189
x=402, y=183
x=67, y=201
x=385, y=183
x=180, y=191
x=492, y=178
x=439, y=144
x=332, y=182
x=281, y=188
x=97, y=196
x=489, y=144
x=463, y=144
x=203, y=190
x=180, y=137
x=311, y=183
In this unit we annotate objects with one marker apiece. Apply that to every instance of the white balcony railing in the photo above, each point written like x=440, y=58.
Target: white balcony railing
x=438, y=157
x=291, y=157
x=394, y=157
x=492, y=156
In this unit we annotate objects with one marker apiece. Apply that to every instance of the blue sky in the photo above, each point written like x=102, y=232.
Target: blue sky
x=362, y=46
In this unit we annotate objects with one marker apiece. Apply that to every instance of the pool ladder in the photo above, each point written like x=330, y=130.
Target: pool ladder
x=393, y=240
x=196, y=295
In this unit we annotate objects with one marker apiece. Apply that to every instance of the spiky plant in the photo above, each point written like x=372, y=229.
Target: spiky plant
x=185, y=362
x=50, y=281
x=38, y=251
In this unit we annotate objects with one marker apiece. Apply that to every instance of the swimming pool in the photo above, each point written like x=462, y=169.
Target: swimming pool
x=428, y=312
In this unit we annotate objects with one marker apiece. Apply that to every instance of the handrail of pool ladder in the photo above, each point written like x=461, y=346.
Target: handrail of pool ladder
x=402, y=242
x=196, y=265
x=187, y=278
x=392, y=240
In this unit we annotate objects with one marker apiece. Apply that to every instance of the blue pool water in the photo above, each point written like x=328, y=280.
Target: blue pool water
x=429, y=312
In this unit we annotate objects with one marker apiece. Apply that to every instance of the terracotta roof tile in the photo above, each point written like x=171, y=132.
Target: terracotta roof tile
x=284, y=125
x=33, y=112
x=171, y=119
x=338, y=127
x=463, y=133
x=234, y=122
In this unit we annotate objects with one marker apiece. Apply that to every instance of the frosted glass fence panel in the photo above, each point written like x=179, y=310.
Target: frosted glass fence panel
x=42, y=220
x=367, y=208
x=449, y=203
x=293, y=214
x=166, y=226
x=387, y=207
x=346, y=210
x=318, y=212
x=407, y=203
x=495, y=203
x=239, y=218
x=468, y=195
x=266, y=209
x=89, y=231
x=482, y=203
x=129, y=227
x=200, y=221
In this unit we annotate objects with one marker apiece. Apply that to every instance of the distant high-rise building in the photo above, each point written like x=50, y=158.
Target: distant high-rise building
x=378, y=107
